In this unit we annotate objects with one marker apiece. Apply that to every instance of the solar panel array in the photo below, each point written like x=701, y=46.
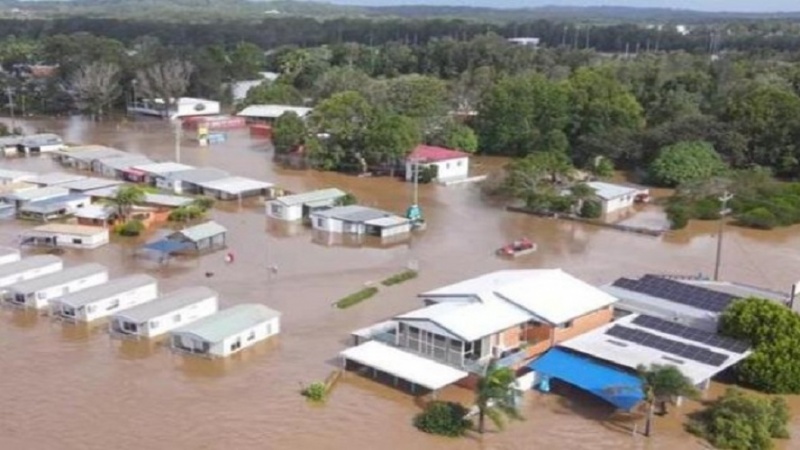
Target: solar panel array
x=704, y=337
x=685, y=294
x=651, y=340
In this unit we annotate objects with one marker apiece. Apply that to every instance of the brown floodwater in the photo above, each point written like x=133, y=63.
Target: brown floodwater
x=67, y=387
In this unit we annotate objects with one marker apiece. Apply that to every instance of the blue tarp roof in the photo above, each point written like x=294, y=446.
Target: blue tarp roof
x=167, y=246
x=615, y=386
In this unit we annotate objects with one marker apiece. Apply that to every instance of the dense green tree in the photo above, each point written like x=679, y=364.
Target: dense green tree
x=341, y=79
x=125, y=198
x=389, y=138
x=455, y=135
x=737, y=421
x=685, y=162
x=273, y=93
x=495, y=397
x=288, y=133
x=443, y=418
x=519, y=113
x=774, y=332
x=343, y=119
x=417, y=96
x=246, y=61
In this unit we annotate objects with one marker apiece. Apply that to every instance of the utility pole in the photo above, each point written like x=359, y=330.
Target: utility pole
x=11, y=108
x=178, y=133
x=724, y=199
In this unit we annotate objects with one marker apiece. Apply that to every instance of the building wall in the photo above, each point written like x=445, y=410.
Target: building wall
x=616, y=204
x=544, y=337
x=278, y=210
x=41, y=299
x=30, y=274
x=395, y=231
x=246, y=338
x=119, y=302
x=179, y=317
x=328, y=224
x=77, y=241
x=450, y=169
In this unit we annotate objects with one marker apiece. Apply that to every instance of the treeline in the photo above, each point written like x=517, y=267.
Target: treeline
x=307, y=32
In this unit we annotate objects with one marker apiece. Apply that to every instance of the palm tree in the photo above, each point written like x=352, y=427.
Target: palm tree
x=125, y=198
x=663, y=384
x=495, y=397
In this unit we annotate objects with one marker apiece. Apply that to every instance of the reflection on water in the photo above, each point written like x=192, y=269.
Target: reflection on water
x=134, y=349
x=24, y=318
x=67, y=378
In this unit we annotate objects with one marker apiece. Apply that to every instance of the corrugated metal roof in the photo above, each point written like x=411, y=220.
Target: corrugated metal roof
x=15, y=175
x=58, y=278
x=163, y=168
x=272, y=111
x=108, y=289
x=353, y=213
x=163, y=305
x=199, y=175
x=10, y=141
x=388, y=222
x=66, y=228
x=53, y=204
x=235, y=185
x=202, y=231
x=54, y=178
x=171, y=201
x=610, y=191
x=33, y=194
x=125, y=162
x=90, y=183
x=26, y=264
x=311, y=197
x=91, y=152
x=470, y=321
x=35, y=140
x=229, y=322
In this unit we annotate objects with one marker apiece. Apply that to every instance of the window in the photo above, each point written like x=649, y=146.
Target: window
x=91, y=308
x=176, y=318
x=460, y=163
x=276, y=209
x=447, y=166
x=251, y=336
x=113, y=305
x=153, y=324
x=236, y=345
x=320, y=222
x=565, y=325
x=77, y=241
x=269, y=329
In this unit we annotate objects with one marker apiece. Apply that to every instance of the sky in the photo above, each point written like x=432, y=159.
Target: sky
x=700, y=5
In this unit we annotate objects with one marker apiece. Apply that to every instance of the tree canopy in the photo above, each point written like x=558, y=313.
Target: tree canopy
x=685, y=162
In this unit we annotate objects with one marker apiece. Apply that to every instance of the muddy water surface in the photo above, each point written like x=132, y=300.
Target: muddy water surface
x=74, y=388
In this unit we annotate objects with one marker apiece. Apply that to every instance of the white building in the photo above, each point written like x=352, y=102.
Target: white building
x=188, y=181
x=54, y=208
x=299, y=206
x=106, y=299
x=159, y=171
x=174, y=310
x=21, y=197
x=89, y=184
x=228, y=331
x=232, y=188
x=183, y=107
x=271, y=112
x=29, y=268
x=119, y=166
x=8, y=177
x=615, y=197
x=55, y=178
x=40, y=143
x=65, y=235
x=38, y=292
x=360, y=220
x=8, y=255
x=82, y=157
x=450, y=164
x=532, y=42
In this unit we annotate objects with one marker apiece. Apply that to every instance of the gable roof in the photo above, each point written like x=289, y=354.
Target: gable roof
x=198, y=175
x=165, y=304
x=353, y=213
x=202, y=231
x=29, y=195
x=310, y=197
x=235, y=185
x=29, y=263
x=58, y=278
x=429, y=153
x=470, y=321
x=106, y=290
x=610, y=191
x=229, y=321
x=162, y=168
x=55, y=178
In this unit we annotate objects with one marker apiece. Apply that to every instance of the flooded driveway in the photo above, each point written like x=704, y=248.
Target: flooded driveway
x=74, y=388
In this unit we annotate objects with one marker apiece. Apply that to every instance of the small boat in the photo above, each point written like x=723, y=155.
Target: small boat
x=518, y=248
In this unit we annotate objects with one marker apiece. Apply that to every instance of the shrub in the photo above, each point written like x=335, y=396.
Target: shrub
x=561, y=203
x=186, y=213
x=346, y=200
x=707, y=209
x=356, y=298
x=443, y=418
x=315, y=392
x=686, y=162
x=760, y=218
x=740, y=422
x=678, y=216
x=204, y=203
x=400, y=277
x=591, y=209
x=130, y=228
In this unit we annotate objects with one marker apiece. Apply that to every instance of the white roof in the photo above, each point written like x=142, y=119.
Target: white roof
x=171, y=201
x=202, y=231
x=95, y=212
x=628, y=354
x=551, y=295
x=90, y=183
x=54, y=178
x=470, y=321
x=555, y=296
x=65, y=228
x=311, y=196
x=125, y=162
x=235, y=185
x=272, y=111
x=162, y=168
x=15, y=175
x=37, y=194
x=388, y=222
x=609, y=191
x=412, y=368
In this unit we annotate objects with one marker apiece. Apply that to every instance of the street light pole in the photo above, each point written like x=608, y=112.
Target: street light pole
x=178, y=140
x=724, y=199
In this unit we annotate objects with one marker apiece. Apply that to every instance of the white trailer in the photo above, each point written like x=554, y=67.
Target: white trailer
x=29, y=268
x=37, y=293
x=167, y=313
x=105, y=299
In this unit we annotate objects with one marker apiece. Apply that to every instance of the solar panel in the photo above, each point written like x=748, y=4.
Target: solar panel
x=651, y=340
x=677, y=292
x=689, y=333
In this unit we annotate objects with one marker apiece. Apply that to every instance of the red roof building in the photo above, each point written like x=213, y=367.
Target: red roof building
x=430, y=154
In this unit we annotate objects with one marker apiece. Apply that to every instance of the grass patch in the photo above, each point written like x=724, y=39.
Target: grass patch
x=400, y=277
x=356, y=298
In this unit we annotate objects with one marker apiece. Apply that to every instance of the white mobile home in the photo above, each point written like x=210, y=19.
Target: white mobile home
x=25, y=196
x=176, y=309
x=231, y=188
x=54, y=208
x=54, y=179
x=159, y=171
x=105, y=299
x=615, y=197
x=41, y=143
x=449, y=164
x=228, y=331
x=82, y=157
x=299, y=206
x=360, y=220
x=65, y=235
x=8, y=255
x=29, y=268
x=38, y=292
x=8, y=177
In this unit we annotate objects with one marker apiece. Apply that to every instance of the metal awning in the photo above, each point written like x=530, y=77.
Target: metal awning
x=412, y=368
x=167, y=246
x=616, y=386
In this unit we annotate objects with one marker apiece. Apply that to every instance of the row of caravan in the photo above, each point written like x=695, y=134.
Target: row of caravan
x=134, y=306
